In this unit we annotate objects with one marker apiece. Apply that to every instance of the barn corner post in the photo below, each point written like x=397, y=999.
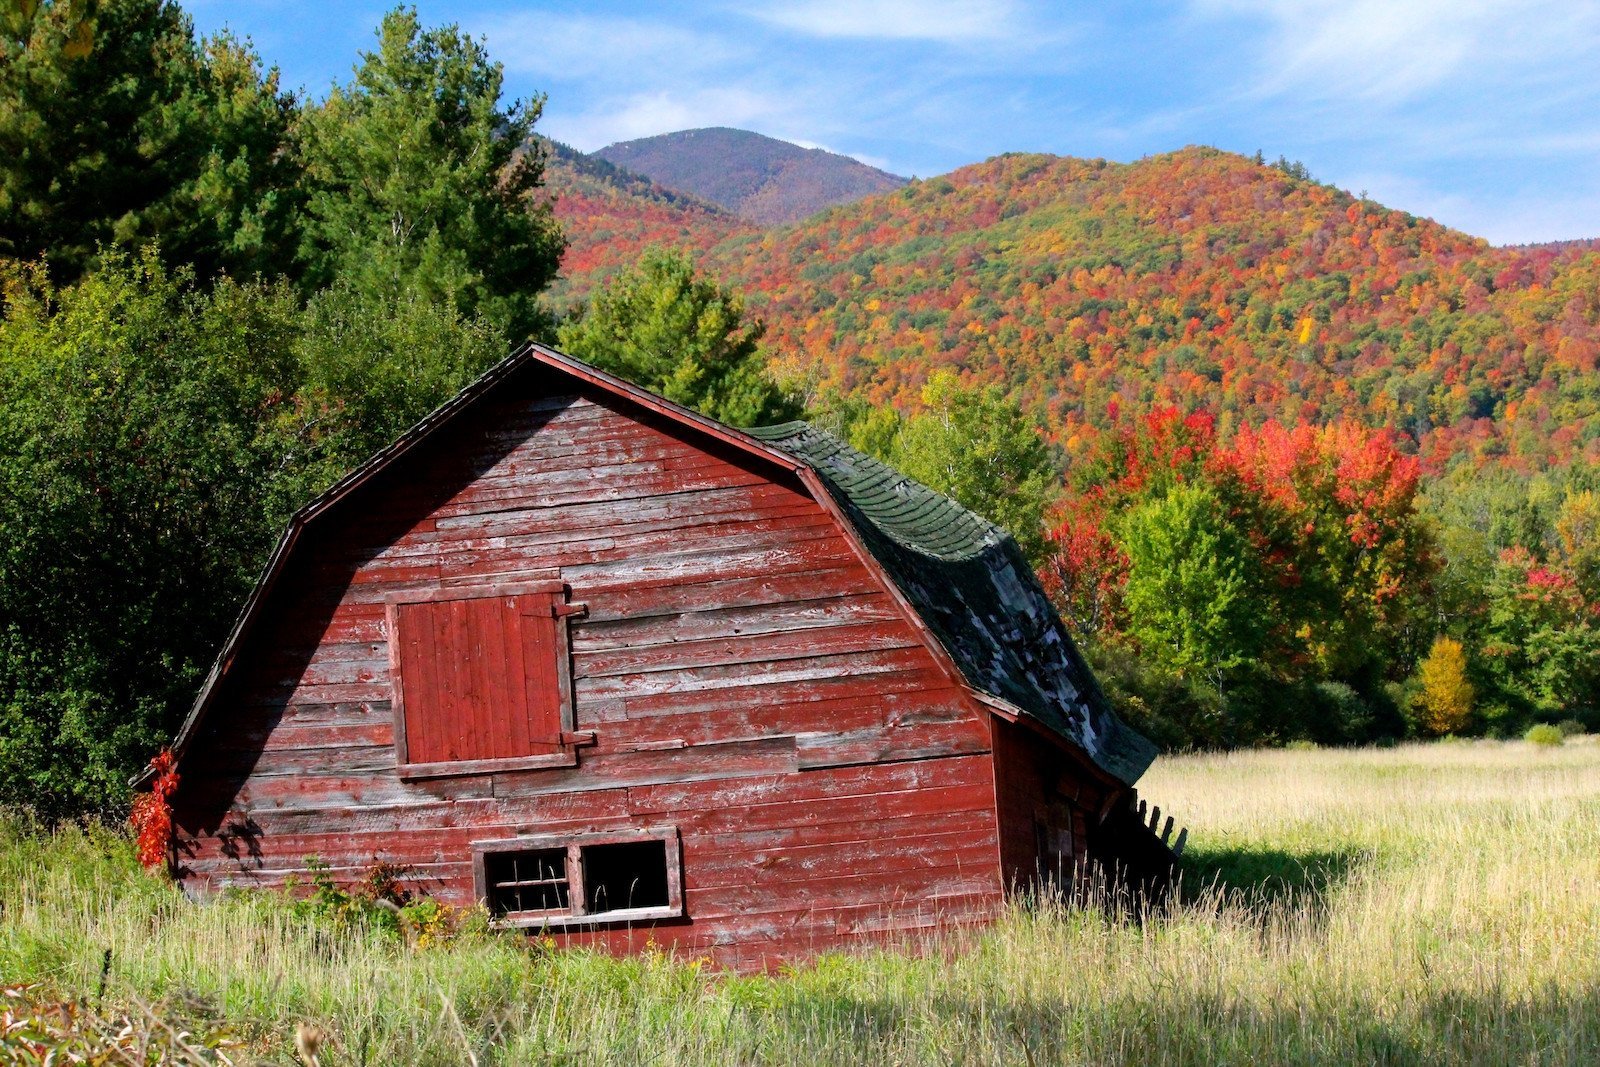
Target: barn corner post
x=616, y=671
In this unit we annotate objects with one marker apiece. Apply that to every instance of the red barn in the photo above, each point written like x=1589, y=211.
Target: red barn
x=620, y=672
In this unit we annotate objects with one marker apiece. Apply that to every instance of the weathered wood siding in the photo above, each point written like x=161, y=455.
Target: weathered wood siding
x=1044, y=799
x=747, y=677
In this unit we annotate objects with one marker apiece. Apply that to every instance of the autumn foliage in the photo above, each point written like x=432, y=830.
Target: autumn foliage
x=1446, y=699
x=151, y=816
x=1282, y=556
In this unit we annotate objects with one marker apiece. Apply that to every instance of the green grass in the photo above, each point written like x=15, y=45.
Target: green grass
x=1421, y=904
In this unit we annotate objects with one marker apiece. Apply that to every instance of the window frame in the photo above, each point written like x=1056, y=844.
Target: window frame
x=566, y=754
x=575, y=915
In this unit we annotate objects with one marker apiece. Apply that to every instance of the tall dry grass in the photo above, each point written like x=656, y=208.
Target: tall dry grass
x=1423, y=904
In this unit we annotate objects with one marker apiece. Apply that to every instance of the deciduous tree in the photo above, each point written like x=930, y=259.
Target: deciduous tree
x=1445, y=700
x=977, y=447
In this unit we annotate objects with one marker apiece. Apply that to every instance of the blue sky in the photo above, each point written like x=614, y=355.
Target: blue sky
x=1483, y=114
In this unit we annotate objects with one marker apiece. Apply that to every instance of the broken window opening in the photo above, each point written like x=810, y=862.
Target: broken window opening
x=588, y=878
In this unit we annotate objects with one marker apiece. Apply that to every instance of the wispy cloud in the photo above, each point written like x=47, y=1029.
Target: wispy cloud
x=625, y=118
x=948, y=21
x=588, y=46
x=1482, y=113
x=1388, y=52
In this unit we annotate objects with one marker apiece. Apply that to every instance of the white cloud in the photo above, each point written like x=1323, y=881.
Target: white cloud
x=948, y=21
x=1385, y=52
x=582, y=46
x=872, y=161
x=646, y=114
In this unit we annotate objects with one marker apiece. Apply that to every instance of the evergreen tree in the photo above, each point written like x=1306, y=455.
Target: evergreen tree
x=117, y=129
x=420, y=181
x=681, y=336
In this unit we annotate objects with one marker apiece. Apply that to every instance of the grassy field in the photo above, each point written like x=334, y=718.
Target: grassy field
x=1421, y=904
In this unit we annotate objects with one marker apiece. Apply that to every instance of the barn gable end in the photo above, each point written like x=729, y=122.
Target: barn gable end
x=750, y=699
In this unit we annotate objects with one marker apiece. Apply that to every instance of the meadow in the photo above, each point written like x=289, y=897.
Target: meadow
x=1417, y=904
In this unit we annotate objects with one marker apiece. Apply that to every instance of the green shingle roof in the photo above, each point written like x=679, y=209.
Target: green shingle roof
x=971, y=584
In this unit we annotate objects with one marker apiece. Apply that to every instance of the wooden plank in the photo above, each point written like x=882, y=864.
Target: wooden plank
x=635, y=602
x=889, y=742
x=836, y=788
x=302, y=762
x=970, y=870
x=759, y=501
x=728, y=650
x=606, y=770
x=913, y=674
x=638, y=520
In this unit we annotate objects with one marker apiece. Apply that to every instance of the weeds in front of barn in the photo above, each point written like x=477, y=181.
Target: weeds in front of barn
x=1421, y=904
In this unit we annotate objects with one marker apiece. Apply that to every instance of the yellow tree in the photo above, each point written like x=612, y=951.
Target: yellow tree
x=1447, y=695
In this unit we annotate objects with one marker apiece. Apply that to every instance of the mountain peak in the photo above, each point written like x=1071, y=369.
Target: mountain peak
x=756, y=177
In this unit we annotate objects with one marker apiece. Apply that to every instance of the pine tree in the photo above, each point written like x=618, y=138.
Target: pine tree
x=420, y=181
x=118, y=129
x=685, y=337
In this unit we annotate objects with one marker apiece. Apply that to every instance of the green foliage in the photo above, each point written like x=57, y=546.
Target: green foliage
x=420, y=185
x=117, y=128
x=978, y=448
x=381, y=903
x=376, y=362
x=154, y=438
x=1517, y=589
x=146, y=430
x=1192, y=598
x=660, y=326
x=1545, y=735
x=159, y=423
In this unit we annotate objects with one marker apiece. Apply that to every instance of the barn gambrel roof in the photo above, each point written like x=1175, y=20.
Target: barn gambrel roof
x=964, y=579
x=971, y=584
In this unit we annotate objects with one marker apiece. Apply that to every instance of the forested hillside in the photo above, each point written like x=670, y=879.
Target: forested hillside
x=619, y=215
x=1197, y=278
x=1318, y=468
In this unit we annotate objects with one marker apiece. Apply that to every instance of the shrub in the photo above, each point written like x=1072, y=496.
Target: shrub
x=1544, y=734
x=1571, y=728
x=380, y=902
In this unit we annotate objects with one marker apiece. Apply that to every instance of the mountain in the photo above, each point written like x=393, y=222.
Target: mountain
x=759, y=179
x=1196, y=278
x=611, y=215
